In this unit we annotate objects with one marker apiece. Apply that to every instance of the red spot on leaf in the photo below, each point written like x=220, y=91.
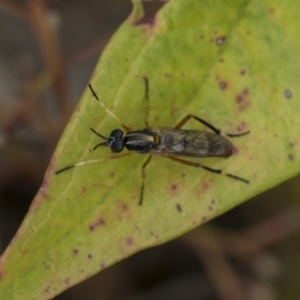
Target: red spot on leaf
x=129, y=241
x=100, y=222
x=123, y=206
x=222, y=85
x=235, y=150
x=205, y=186
x=242, y=127
x=242, y=100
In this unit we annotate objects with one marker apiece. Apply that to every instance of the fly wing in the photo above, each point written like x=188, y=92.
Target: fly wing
x=193, y=143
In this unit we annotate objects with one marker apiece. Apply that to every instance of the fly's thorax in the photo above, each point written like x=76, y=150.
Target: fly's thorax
x=140, y=141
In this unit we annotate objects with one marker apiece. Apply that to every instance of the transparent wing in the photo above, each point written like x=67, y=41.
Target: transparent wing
x=192, y=143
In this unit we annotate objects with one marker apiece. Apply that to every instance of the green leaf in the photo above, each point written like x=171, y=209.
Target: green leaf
x=233, y=63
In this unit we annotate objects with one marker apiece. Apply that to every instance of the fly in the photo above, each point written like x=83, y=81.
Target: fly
x=172, y=143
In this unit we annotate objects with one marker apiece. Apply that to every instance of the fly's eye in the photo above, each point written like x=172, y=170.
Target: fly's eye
x=116, y=144
x=117, y=133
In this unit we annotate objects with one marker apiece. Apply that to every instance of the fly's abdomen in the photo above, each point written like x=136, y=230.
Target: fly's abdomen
x=193, y=143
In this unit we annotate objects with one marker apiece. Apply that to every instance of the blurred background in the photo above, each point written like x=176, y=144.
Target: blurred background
x=48, y=52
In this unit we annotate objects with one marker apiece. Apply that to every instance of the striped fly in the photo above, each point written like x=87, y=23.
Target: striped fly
x=172, y=143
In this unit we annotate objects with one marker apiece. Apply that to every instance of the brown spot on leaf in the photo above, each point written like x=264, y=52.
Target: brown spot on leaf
x=220, y=40
x=43, y=188
x=67, y=281
x=122, y=206
x=222, y=85
x=205, y=186
x=242, y=100
x=75, y=252
x=291, y=157
x=112, y=174
x=235, y=150
x=102, y=266
x=46, y=265
x=243, y=72
x=100, y=222
x=221, y=60
x=156, y=236
x=242, y=127
x=129, y=241
x=288, y=93
x=179, y=208
x=83, y=189
x=175, y=190
x=168, y=75
x=90, y=256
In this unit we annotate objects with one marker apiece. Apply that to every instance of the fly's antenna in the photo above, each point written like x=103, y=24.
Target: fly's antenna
x=102, y=137
x=126, y=128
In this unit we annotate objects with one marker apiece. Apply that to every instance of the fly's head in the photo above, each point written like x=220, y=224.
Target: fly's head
x=115, y=141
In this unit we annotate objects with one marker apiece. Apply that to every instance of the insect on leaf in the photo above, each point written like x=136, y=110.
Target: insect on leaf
x=219, y=61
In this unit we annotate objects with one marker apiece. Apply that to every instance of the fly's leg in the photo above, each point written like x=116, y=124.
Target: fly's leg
x=143, y=178
x=146, y=117
x=126, y=128
x=216, y=171
x=213, y=128
x=92, y=161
